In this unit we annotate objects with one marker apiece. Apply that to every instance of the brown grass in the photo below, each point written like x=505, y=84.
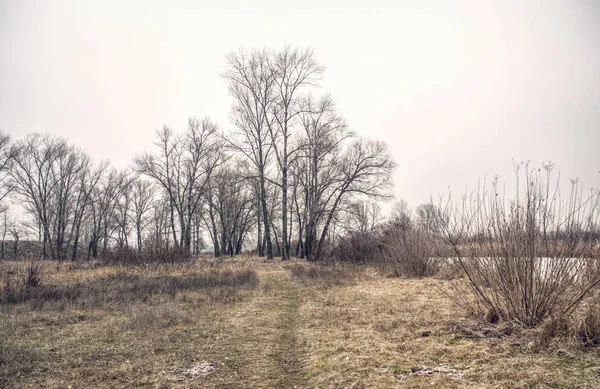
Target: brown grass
x=324, y=274
x=283, y=329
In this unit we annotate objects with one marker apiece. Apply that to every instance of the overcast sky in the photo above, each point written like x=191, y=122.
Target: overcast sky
x=457, y=88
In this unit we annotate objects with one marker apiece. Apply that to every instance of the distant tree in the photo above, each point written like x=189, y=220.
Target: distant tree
x=47, y=174
x=183, y=168
x=429, y=216
x=363, y=216
x=142, y=200
x=231, y=209
x=316, y=172
x=105, y=202
x=365, y=169
x=8, y=153
x=401, y=215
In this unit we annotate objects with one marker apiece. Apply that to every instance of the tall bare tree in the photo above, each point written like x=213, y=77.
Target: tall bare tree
x=105, y=202
x=294, y=69
x=252, y=84
x=325, y=132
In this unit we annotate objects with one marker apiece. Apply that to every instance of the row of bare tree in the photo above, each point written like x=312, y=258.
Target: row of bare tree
x=286, y=175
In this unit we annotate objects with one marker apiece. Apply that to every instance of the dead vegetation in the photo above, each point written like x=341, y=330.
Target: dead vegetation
x=219, y=324
x=394, y=332
x=324, y=274
x=528, y=258
x=124, y=287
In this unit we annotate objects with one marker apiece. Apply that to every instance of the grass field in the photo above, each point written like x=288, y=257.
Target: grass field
x=256, y=324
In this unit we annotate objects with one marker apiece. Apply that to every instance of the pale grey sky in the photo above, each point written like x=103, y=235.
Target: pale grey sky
x=457, y=88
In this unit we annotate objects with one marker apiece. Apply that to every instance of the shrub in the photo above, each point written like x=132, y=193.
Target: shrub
x=408, y=252
x=33, y=275
x=528, y=258
x=404, y=250
x=358, y=247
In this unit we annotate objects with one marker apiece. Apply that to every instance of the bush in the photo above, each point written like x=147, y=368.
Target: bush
x=358, y=248
x=403, y=250
x=408, y=252
x=526, y=259
x=33, y=275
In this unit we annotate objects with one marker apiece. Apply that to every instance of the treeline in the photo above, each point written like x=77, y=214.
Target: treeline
x=284, y=179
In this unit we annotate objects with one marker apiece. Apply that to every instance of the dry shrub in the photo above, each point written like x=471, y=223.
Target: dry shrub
x=33, y=275
x=526, y=259
x=408, y=252
x=400, y=250
x=358, y=247
x=18, y=282
x=324, y=274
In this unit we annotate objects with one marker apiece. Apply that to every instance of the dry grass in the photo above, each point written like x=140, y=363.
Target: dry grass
x=285, y=330
x=118, y=327
x=324, y=274
x=377, y=332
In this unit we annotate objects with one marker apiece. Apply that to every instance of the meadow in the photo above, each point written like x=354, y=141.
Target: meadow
x=253, y=323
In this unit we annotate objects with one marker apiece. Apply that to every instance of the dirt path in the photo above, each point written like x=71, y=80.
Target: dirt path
x=264, y=335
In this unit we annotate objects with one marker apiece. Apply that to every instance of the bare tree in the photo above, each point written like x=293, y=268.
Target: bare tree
x=47, y=174
x=363, y=216
x=231, y=209
x=252, y=84
x=294, y=69
x=89, y=179
x=16, y=230
x=401, y=215
x=429, y=216
x=183, y=168
x=142, y=197
x=365, y=169
x=105, y=201
x=8, y=152
x=325, y=132
x=4, y=227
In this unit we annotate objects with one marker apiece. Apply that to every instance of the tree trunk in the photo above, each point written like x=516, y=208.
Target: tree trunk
x=259, y=239
x=263, y=195
x=285, y=255
x=319, y=250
